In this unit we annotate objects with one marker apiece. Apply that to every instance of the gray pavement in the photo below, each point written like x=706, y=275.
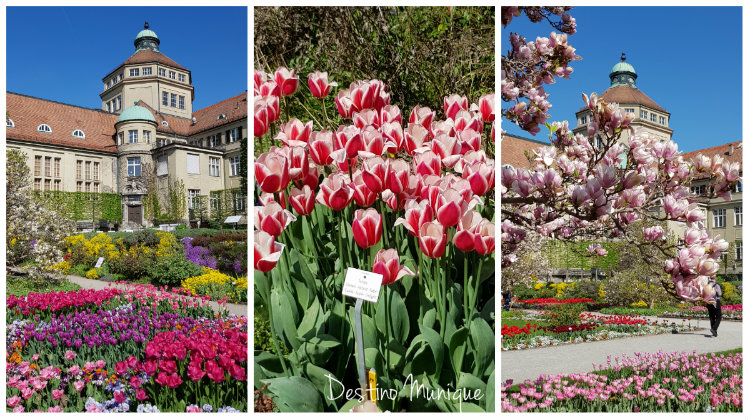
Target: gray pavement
x=98, y=285
x=520, y=365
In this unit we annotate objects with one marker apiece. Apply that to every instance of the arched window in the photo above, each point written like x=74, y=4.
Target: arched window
x=164, y=123
x=9, y=123
x=79, y=134
x=44, y=128
x=221, y=117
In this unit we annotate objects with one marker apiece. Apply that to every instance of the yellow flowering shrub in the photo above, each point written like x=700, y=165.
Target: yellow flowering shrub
x=539, y=286
x=167, y=244
x=217, y=285
x=93, y=273
x=62, y=266
x=639, y=304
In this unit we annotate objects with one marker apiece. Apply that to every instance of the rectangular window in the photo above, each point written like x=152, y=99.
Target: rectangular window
x=182, y=102
x=147, y=137
x=47, y=185
x=630, y=110
x=193, y=164
x=239, y=201
x=133, y=72
x=79, y=186
x=164, y=98
x=37, y=165
x=214, y=202
x=88, y=170
x=181, y=77
x=234, y=166
x=134, y=166
x=213, y=166
x=96, y=187
x=109, y=107
x=119, y=102
x=738, y=250
x=193, y=200
x=120, y=138
x=738, y=216
x=234, y=135
x=147, y=71
x=88, y=187
x=57, y=185
x=109, y=84
x=47, y=166
x=720, y=217
x=37, y=184
x=653, y=117
x=662, y=121
x=79, y=169
x=738, y=187
x=132, y=136
x=96, y=171
x=644, y=115
x=173, y=100
x=162, y=72
x=57, y=167
x=162, y=167
x=171, y=75
x=212, y=141
x=583, y=120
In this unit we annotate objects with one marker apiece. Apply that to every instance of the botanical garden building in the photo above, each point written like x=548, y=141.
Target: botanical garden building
x=145, y=143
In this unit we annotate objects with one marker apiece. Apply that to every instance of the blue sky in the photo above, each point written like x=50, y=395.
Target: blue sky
x=688, y=60
x=77, y=46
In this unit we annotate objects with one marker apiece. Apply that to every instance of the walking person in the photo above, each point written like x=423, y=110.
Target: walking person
x=507, y=295
x=714, y=311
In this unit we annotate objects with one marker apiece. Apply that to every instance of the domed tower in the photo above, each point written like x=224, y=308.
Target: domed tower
x=136, y=134
x=623, y=91
x=149, y=76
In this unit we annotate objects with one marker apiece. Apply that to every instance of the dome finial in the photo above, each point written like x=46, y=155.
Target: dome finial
x=145, y=25
x=622, y=58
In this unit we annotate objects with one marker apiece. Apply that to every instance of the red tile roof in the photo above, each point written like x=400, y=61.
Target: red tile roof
x=627, y=95
x=512, y=150
x=235, y=108
x=28, y=113
x=722, y=150
x=150, y=56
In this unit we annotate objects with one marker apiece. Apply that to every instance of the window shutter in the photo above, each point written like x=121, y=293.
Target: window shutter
x=239, y=133
x=162, y=168
x=218, y=139
x=193, y=166
x=229, y=138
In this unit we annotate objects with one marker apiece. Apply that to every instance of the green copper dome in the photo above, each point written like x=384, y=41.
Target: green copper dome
x=623, y=74
x=136, y=113
x=146, y=39
x=623, y=66
x=146, y=32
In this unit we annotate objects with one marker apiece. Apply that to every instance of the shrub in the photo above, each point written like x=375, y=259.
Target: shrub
x=173, y=270
x=565, y=314
x=730, y=294
x=585, y=288
x=79, y=270
x=145, y=237
x=217, y=285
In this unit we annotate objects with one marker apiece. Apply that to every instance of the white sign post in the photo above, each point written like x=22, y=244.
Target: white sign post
x=99, y=262
x=361, y=285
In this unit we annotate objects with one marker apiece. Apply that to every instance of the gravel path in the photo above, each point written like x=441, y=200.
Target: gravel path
x=98, y=285
x=520, y=365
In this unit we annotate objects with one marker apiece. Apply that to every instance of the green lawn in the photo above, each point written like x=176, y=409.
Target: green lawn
x=21, y=286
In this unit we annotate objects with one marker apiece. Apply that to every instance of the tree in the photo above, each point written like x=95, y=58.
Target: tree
x=575, y=191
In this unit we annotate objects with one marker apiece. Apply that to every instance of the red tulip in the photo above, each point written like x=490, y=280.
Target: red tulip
x=470, y=140
x=415, y=215
x=415, y=136
x=319, y=85
x=335, y=192
x=390, y=114
x=294, y=133
x=447, y=148
x=366, y=117
x=386, y=263
x=484, y=241
x=303, y=200
x=273, y=108
x=363, y=195
x=287, y=80
x=259, y=78
x=311, y=177
x=299, y=164
x=272, y=171
x=374, y=173
x=273, y=219
x=269, y=88
x=487, y=107
x=481, y=176
x=174, y=380
x=432, y=239
x=214, y=371
x=372, y=143
x=398, y=176
x=344, y=103
x=267, y=198
x=194, y=371
x=422, y=116
x=367, y=227
x=453, y=104
x=449, y=207
x=394, y=201
x=349, y=138
x=443, y=126
x=426, y=163
x=260, y=126
x=466, y=231
x=465, y=120
x=393, y=135
x=267, y=251
x=321, y=147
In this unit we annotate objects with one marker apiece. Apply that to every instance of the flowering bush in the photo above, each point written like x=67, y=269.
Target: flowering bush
x=217, y=285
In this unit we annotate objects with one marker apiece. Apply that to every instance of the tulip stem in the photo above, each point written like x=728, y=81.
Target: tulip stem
x=385, y=223
x=475, y=287
x=387, y=332
x=467, y=290
x=325, y=113
x=273, y=331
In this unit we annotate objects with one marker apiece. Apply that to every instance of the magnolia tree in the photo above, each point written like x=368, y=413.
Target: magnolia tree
x=573, y=190
x=35, y=229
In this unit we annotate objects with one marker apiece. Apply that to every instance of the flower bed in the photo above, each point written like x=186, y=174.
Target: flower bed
x=728, y=312
x=143, y=349
x=643, y=382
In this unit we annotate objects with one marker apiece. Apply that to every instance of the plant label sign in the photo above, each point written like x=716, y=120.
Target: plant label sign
x=362, y=284
x=99, y=262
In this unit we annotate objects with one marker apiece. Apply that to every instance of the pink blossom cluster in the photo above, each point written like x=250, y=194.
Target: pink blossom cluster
x=57, y=301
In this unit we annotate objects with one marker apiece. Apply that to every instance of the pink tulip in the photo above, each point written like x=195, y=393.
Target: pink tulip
x=366, y=117
x=484, y=241
x=140, y=395
x=349, y=138
x=386, y=263
x=398, y=176
x=13, y=401
x=273, y=219
x=272, y=172
x=319, y=84
x=259, y=78
x=321, y=147
x=269, y=88
x=454, y=103
x=18, y=409
x=449, y=207
x=432, y=239
x=375, y=173
x=466, y=231
x=446, y=127
x=299, y=164
x=363, y=195
x=393, y=136
x=302, y=200
x=261, y=124
x=295, y=133
x=373, y=143
x=70, y=355
x=426, y=163
x=422, y=116
x=267, y=251
x=464, y=120
x=481, y=176
x=344, y=103
x=335, y=192
x=78, y=385
x=470, y=140
x=367, y=227
x=487, y=107
x=447, y=148
x=390, y=114
x=287, y=80
x=415, y=136
x=214, y=371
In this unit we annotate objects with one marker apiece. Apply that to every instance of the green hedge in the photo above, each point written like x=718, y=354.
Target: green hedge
x=564, y=255
x=85, y=206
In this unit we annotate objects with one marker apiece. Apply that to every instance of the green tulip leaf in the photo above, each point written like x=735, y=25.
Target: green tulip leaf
x=295, y=394
x=483, y=345
x=399, y=317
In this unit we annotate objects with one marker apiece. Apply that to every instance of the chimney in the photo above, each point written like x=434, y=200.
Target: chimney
x=731, y=148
